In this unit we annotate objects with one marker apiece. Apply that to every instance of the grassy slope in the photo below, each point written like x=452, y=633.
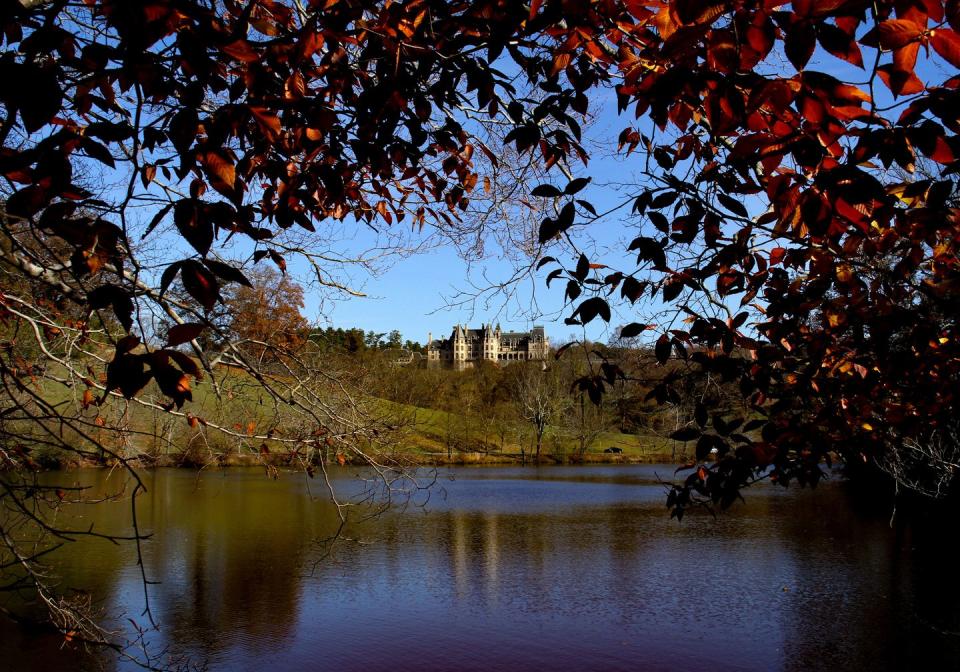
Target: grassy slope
x=424, y=431
x=429, y=428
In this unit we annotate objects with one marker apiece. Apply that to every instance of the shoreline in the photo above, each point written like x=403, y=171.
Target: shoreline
x=399, y=459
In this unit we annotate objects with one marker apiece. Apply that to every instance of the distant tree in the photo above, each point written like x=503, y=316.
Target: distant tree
x=373, y=339
x=541, y=395
x=265, y=316
x=502, y=419
x=585, y=422
x=413, y=346
x=394, y=339
x=354, y=340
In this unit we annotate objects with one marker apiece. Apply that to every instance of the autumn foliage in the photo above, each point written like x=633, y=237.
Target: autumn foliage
x=266, y=315
x=798, y=207
x=803, y=217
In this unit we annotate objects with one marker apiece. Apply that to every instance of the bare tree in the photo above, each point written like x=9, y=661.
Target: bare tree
x=585, y=422
x=541, y=397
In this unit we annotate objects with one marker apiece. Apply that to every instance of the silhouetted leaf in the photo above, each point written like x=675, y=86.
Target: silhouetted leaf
x=662, y=349
x=671, y=290
x=546, y=190
x=583, y=268
x=591, y=308
x=544, y=261
x=576, y=185
x=157, y=218
x=194, y=225
x=116, y=298
x=183, y=333
x=685, y=434
x=169, y=273
x=200, y=283
x=634, y=329
x=227, y=272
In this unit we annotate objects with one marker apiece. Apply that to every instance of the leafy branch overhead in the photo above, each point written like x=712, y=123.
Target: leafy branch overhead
x=802, y=219
x=797, y=209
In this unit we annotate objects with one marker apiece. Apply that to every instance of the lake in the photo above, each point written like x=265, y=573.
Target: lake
x=503, y=568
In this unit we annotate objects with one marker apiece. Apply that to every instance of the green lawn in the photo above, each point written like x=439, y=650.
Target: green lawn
x=430, y=430
x=420, y=432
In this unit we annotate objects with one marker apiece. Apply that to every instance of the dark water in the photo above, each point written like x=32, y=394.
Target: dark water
x=503, y=569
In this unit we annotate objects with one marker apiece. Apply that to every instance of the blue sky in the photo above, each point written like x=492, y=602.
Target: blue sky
x=422, y=292
x=425, y=292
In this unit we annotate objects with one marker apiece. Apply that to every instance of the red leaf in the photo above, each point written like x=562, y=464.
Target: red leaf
x=905, y=58
x=172, y=382
x=662, y=349
x=691, y=12
x=722, y=52
x=634, y=329
x=149, y=172
x=200, y=283
x=268, y=122
x=534, y=8
x=560, y=62
x=241, y=51
x=953, y=14
x=185, y=362
x=760, y=37
x=311, y=43
x=838, y=43
x=799, y=43
x=896, y=33
x=226, y=272
x=279, y=261
x=665, y=22
x=942, y=152
x=220, y=170
x=193, y=224
x=183, y=333
x=898, y=81
x=947, y=44
x=818, y=8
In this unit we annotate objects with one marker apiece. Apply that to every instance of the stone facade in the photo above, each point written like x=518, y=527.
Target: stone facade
x=466, y=346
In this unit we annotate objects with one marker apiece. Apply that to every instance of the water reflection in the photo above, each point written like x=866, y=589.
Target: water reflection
x=523, y=568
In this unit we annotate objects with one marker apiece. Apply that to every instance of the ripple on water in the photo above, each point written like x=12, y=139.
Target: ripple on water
x=517, y=568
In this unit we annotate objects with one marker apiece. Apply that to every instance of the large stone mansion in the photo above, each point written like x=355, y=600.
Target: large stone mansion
x=466, y=346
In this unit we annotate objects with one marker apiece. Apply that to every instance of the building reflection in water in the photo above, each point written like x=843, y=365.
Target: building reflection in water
x=525, y=568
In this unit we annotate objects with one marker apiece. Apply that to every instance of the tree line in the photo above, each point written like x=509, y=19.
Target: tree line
x=357, y=340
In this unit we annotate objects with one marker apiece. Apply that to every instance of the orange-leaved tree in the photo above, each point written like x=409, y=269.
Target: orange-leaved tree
x=265, y=316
